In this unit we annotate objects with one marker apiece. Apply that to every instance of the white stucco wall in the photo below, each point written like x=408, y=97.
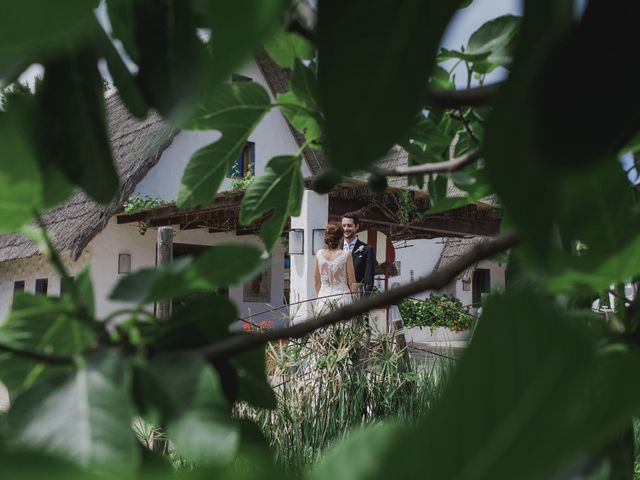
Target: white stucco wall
x=101, y=256
x=30, y=269
x=116, y=239
x=271, y=137
x=497, y=274
x=417, y=260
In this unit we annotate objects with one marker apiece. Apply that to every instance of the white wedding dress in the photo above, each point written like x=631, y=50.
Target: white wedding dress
x=334, y=289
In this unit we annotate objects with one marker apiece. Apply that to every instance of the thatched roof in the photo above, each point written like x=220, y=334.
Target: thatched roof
x=399, y=157
x=453, y=249
x=136, y=145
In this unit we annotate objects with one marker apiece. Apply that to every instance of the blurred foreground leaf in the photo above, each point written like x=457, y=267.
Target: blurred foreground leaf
x=83, y=416
x=185, y=394
x=208, y=272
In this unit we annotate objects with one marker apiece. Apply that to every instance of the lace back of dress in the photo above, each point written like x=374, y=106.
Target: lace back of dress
x=333, y=272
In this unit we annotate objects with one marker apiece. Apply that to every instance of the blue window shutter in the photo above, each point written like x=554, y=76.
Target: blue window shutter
x=253, y=159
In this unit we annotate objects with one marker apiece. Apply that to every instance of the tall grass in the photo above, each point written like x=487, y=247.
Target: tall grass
x=334, y=380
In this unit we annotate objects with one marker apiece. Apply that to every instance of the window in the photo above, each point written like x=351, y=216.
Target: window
x=245, y=163
x=18, y=286
x=481, y=284
x=42, y=285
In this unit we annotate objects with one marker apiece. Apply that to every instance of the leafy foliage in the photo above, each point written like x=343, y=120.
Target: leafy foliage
x=207, y=273
x=137, y=203
x=280, y=184
x=547, y=383
x=436, y=311
x=82, y=415
x=234, y=110
x=44, y=324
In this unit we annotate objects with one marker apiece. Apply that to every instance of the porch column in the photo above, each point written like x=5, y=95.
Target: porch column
x=314, y=214
x=165, y=256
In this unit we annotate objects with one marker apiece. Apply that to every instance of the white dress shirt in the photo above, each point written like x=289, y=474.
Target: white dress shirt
x=349, y=246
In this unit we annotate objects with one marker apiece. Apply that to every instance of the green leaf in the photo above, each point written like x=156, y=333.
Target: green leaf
x=208, y=272
x=602, y=125
x=286, y=47
x=300, y=103
x=123, y=80
x=71, y=92
x=440, y=79
x=278, y=189
x=446, y=54
x=496, y=41
x=526, y=385
x=140, y=285
x=375, y=60
x=514, y=161
x=31, y=465
x=253, y=385
x=85, y=288
x=23, y=110
x=426, y=131
x=122, y=19
x=490, y=46
x=595, y=206
x=234, y=110
x=187, y=396
x=44, y=324
x=42, y=26
x=200, y=322
x=351, y=460
x=300, y=116
x=305, y=85
x=83, y=416
x=172, y=59
x=20, y=180
x=238, y=28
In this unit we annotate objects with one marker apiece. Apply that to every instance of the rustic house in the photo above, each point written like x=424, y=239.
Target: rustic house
x=150, y=157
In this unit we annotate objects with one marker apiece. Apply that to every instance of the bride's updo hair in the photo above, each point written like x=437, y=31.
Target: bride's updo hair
x=333, y=235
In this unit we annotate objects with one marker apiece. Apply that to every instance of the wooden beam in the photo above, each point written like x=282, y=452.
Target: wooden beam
x=455, y=223
x=165, y=256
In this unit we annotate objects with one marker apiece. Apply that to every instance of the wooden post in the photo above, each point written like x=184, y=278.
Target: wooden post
x=401, y=341
x=165, y=256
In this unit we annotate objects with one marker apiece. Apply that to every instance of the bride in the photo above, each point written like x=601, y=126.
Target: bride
x=334, y=272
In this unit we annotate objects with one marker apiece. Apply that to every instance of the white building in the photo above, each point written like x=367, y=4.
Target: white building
x=150, y=157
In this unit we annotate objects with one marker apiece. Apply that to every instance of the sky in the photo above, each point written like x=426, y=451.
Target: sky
x=468, y=20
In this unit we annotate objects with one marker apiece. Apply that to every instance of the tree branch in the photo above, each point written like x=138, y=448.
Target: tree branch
x=452, y=165
x=51, y=359
x=242, y=342
x=471, y=97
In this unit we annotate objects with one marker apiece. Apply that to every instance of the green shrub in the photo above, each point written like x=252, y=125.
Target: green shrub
x=136, y=203
x=435, y=311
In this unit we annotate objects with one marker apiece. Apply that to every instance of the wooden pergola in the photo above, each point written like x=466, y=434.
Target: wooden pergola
x=380, y=211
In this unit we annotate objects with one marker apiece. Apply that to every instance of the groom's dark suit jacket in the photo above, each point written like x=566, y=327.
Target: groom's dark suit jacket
x=364, y=262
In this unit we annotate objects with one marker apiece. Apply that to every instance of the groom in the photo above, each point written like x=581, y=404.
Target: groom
x=364, y=256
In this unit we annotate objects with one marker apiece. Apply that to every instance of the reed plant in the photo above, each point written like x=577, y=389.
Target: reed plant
x=334, y=380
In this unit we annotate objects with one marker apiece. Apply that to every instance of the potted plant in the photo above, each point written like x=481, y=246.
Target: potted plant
x=438, y=318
